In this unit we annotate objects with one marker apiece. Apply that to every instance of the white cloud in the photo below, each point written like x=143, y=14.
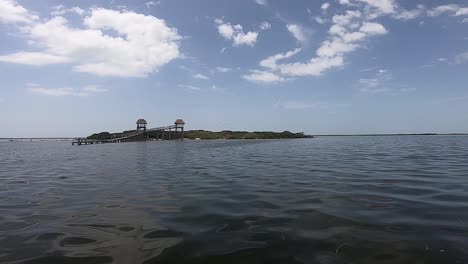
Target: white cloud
x=442, y=9
x=462, y=12
x=461, y=58
x=60, y=10
x=200, y=76
x=57, y=91
x=32, y=84
x=190, y=87
x=374, y=8
x=345, y=2
x=33, y=58
x=223, y=69
x=265, y=25
x=246, y=39
x=384, y=6
x=376, y=84
x=410, y=14
x=152, y=3
x=271, y=62
x=298, y=32
x=94, y=89
x=65, y=91
x=316, y=66
x=421, y=10
x=262, y=2
x=373, y=28
x=348, y=32
x=143, y=44
x=320, y=20
x=263, y=77
x=325, y=6
x=454, y=10
x=236, y=33
x=347, y=18
x=335, y=47
x=12, y=12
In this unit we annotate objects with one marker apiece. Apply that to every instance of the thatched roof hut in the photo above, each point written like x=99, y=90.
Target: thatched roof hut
x=141, y=122
x=179, y=122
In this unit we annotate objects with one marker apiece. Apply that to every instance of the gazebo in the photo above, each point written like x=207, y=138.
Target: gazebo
x=141, y=124
x=179, y=126
x=179, y=123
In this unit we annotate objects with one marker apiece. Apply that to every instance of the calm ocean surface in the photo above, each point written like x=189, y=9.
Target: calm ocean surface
x=324, y=200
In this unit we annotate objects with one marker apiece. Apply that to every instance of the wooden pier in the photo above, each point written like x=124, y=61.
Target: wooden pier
x=172, y=132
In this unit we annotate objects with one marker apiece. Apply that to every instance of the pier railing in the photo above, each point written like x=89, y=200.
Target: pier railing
x=135, y=136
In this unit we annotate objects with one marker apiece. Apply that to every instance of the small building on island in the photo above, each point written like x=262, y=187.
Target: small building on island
x=179, y=123
x=141, y=124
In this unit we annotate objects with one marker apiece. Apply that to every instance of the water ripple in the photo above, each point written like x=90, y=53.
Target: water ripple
x=322, y=200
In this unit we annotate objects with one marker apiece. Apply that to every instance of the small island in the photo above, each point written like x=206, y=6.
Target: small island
x=210, y=135
x=176, y=132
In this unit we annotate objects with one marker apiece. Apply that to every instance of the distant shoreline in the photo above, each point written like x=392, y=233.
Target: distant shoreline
x=39, y=138
x=387, y=135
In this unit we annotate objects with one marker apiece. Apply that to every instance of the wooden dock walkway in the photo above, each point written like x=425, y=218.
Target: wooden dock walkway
x=172, y=132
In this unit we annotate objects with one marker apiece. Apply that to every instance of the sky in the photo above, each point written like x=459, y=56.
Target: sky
x=72, y=68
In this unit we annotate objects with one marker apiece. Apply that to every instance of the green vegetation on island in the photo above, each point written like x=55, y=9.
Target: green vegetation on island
x=204, y=134
x=227, y=134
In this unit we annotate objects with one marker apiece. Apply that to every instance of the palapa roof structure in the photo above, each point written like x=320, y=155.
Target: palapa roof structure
x=141, y=122
x=179, y=122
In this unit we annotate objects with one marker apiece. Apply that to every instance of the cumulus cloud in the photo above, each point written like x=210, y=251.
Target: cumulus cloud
x=348, y=32
x=12, y=12
x=384, y=6
x=152, y=3
x=320, y=20
x=271, y=62
x=140, y=44
x=265, y=25
x=33, y=58
x=223, y=69
x=373, y=29
x=325, y=6
x=452, y=9
x=263, y=77
x=200, y=76
x=410, y=14
x=298, y=32
x=65, y=91
x=60, y=10
x=236, y=33
x=316, y=66
x=376, y=8
x=420, y=10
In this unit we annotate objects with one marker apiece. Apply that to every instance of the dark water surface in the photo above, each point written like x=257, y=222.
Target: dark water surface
x=323, y=200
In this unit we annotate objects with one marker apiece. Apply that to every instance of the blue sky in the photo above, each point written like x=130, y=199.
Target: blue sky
x=70, y=68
